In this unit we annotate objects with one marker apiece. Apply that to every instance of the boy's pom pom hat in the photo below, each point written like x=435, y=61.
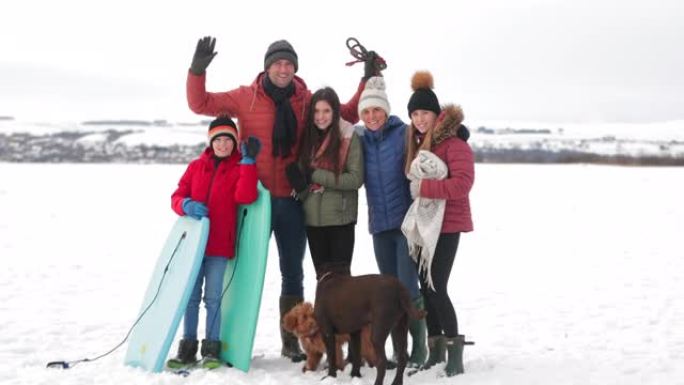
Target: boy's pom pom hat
x=223, y=126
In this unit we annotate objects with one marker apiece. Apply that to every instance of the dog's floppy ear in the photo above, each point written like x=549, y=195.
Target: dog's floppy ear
x=290, y=320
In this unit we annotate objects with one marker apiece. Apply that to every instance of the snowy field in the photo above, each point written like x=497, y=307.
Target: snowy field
x=574, y=275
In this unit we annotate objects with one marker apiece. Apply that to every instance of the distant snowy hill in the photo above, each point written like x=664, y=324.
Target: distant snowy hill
x=160, y=141
x=644, y=143
x=119, y=141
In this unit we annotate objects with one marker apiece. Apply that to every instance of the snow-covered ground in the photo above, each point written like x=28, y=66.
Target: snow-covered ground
x=574, y=275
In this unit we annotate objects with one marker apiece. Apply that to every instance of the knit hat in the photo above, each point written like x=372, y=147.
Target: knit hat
x=223, y=126
x=423, y=97
x=280, y=49
x=374, y=95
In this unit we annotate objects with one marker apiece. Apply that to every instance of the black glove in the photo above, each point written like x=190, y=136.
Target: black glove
x=373, y=65
x=204, y=54
x=250, y=150
x=252, y=147
x=463, y=133
x=296, y=177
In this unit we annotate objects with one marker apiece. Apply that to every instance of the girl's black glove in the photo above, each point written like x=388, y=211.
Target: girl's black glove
x=296, y=177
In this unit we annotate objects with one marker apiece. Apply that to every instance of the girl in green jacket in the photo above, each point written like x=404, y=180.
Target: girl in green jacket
x=327, y=178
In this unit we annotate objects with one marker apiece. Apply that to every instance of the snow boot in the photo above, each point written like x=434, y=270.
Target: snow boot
x=418, y=331
x=290, y=348
x=210, y=354
x=437, y=346
x=454, y=347
x=187, y=350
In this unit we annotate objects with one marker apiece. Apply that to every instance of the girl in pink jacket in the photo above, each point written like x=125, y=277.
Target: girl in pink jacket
x=439, y=130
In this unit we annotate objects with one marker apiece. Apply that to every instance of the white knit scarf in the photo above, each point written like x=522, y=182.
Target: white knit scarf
x=423, y=221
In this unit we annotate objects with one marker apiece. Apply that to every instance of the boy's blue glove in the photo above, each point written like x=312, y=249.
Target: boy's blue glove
x=250, y=150
x=194, y=209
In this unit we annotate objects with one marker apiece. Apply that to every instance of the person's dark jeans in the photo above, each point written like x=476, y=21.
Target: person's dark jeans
x=287, y=223
x=392, y=256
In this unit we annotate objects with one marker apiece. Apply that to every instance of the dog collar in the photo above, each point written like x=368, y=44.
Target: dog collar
x=324, y=276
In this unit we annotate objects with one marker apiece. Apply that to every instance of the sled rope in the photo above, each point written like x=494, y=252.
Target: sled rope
x=360, y=53
x=71, y=364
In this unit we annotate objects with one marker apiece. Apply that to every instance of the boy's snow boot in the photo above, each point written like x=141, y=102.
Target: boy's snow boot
x=454, y=347
x=210, y=354
x=437, y=346
x=290, y=342
x=187, y=350
x=418, y=330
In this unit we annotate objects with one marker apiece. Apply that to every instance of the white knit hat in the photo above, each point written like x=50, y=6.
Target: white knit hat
x=374, y=95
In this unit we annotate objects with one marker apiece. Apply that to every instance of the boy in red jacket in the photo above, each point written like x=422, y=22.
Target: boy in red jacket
x=213, y=186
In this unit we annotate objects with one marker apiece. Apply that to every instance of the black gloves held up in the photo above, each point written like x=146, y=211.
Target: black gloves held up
x=296, y=177
x=373, y=65
x=204, y=54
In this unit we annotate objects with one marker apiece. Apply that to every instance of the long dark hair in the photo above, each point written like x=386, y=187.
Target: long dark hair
x=313, y=136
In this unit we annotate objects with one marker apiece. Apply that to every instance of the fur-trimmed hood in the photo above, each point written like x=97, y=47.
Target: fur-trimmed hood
x=449, y=123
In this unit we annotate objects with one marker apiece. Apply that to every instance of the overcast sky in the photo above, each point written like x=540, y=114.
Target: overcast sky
x=506, y=60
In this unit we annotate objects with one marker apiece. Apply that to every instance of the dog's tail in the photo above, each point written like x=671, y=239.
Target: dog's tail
x=415, y=313
x=412, y=311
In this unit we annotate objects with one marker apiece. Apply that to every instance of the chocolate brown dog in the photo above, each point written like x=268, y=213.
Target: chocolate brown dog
x=300, y=321
x=344, y=304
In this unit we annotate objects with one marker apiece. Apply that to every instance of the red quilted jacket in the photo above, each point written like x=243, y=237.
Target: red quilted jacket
x=221, y=189
x=460, y=161
x=255, y=112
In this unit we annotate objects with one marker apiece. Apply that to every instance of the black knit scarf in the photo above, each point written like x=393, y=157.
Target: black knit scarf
x=285, y=126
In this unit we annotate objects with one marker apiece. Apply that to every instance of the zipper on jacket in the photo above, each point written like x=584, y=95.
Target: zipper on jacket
x=382, y=184
x=344, y=207
x=211, y=182
x=319, y=209
x=274, y=174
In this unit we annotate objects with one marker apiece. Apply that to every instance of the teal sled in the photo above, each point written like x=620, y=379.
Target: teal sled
x=244, y=281
x=167, y=294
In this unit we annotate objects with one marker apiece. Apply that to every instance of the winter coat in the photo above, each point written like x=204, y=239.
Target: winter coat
x=221, y=189
x=338, y=202
x=255, y=112
x=458, y=156
x=387, y=189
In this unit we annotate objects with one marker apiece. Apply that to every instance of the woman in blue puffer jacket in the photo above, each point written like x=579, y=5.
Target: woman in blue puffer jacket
x=387, y=192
